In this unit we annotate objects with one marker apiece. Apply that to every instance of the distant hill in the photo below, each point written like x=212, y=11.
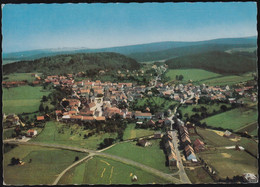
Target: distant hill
x=127, y=50
x=183, y=51
x=215, y=61
x=73, y=63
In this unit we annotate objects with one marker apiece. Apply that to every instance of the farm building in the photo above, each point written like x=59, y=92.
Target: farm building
x=189, y=153
x=251, y=178
x=198, y=145
x=31, y=132
x=172, y=159
x=40, y=118
x=143, y=116
x=144, y=143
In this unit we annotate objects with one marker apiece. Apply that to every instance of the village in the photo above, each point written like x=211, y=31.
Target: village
x=96, y=101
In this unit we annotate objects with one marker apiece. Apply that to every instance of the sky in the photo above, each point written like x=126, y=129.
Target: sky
x=98, y=25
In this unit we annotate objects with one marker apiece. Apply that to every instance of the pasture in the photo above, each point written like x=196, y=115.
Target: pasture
x=233, y=119
x=130, y=132
x=228, y=80
x=229, y=163
x=199, y=176
x=191, y=74
x=22, y=99
x=45, y=165
x=59, y=133
x=20, y=77
x=99, y=170
x=151, y=156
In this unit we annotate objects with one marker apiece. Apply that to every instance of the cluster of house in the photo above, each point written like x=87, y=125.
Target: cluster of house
x=198, y=145
x=170, y=150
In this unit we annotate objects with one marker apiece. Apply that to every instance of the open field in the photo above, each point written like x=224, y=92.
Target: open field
x=251, y=129
x=160, y=103
x=51, y=134
x=151, y=156
x=250, y=145
x=7, y=133
x=20, y=77
x=210, y=108
x=22, y=99
x=199, y=176
x=228, y=80
x=131, y=132
x=229, y=163
x=211, y=138
x=46, y=164
x=190, y=74
x=233, y=119
x=107, y=171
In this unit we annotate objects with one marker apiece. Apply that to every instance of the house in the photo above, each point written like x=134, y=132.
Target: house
x=151, y=123
x=31, y=132
x=198, y=145
x=144, y=143
x=172, y=158
x=101, y=118
x=227, y=134
x=185, y=139
x=91, y=106
x=143, y=115
x=40, y=118
x=157, y=135
x=189, y=153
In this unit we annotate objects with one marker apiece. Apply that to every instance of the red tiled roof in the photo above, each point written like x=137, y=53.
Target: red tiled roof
x=101, y=118
x=40, y=118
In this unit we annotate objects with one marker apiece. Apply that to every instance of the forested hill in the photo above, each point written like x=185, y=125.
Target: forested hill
x=215, y=61
x=73, y=63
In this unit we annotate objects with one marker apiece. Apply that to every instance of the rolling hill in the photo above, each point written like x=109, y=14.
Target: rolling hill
x=73, y=63
x=131, y=50
x=215, y=61
x=183, y=51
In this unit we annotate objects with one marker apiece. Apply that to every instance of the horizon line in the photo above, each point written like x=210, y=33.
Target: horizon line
x=127, y=45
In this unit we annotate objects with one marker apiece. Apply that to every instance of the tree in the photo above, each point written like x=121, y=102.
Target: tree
x=41, y=109
x=76, y=158
x=223, y=108
x=180, y=77
x=46, y=109
x=44, y=98
x=15, y=161
x=65, y=103
x=177, y=77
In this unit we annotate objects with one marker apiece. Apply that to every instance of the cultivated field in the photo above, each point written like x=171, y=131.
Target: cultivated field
x=229, y=163
x=100, y=170
x=233, y=119
x=213, y=139
x=46, y=164
x=22, y=99
x=130, y=132
x=70, y=135
x=228, y=80
x=199, y=176
x=151, y=156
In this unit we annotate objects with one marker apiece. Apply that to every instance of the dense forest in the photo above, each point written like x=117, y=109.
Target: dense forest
x=74, y=63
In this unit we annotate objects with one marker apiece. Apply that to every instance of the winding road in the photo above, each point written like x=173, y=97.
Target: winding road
x=92, y=153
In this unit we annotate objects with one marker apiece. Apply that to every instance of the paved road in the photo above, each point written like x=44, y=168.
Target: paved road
x=124, y=160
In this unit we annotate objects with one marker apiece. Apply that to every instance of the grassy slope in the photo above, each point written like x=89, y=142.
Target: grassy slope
x=230, y=162
x=191, y=74
x=199, y=176
x=131, y=132
x=215, y=61
x=50, y=135
x=233, y=119
x=113, y=173
x=22, y=99
x=7, y=133
x=20, y=77
x=46, y=164
x=151, y=156
x=210, y=108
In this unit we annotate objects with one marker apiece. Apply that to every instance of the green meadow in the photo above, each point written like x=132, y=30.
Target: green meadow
x=99, y=170
x=20, y=77
x=151, y=156
x=22, y=99
x=68, y=134
x=233, y=119
x=45, y=165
